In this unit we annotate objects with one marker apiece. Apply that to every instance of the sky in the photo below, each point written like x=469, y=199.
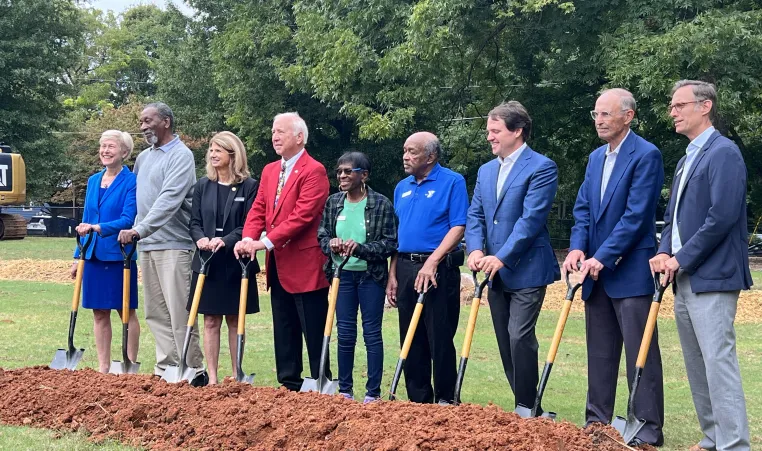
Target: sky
x=119, y=6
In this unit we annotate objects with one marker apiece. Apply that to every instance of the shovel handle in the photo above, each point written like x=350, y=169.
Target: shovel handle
x=125, y=295
x=242, y=306
x=466, y=351
x=78, y=284
x=645, y=344
x=332, y=296
x=559, y=331
x=127, y=256
x=196, y=299
x=412, y=327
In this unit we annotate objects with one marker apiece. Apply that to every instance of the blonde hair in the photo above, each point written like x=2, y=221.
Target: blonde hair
x=239, y=168
x=122, y=138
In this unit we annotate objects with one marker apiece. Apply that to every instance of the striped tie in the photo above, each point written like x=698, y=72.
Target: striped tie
x=281, y=181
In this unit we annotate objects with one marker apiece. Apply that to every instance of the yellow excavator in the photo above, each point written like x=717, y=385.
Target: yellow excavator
x=12, y=192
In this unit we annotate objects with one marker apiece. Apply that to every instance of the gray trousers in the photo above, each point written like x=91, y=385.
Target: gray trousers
x=166, y=283
x=708, y=339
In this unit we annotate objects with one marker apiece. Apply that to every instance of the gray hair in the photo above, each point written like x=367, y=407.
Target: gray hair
x=626, y=99
x=433, y=148
x=123, y=139
x=164, y=112
x=702, y=91
x=298, y=124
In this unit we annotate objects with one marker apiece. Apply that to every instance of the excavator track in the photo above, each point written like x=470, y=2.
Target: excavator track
x=12, y=227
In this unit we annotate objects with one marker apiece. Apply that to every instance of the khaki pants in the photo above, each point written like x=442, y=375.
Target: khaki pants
x=166, y=282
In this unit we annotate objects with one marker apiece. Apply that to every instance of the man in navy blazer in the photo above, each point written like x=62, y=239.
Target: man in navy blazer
x=613, y=237
x=704, y=251
x=507, y=237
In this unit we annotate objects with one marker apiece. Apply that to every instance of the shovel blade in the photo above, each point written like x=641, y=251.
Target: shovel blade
x=126, y=367
x=174, y=374
x=65, y=360
x=322, y=385
x=628, y=428
x=240, y=376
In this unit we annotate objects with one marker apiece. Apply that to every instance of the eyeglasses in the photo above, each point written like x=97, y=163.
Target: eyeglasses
x=604, y=114
x=347, y=171
x=679, y=106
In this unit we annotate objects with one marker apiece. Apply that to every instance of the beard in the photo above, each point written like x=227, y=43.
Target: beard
x=151, y=138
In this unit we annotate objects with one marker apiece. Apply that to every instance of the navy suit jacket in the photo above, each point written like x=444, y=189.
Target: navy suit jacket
x=513, y=227
x=620, y=230
x=712, y=219
x=115, y=211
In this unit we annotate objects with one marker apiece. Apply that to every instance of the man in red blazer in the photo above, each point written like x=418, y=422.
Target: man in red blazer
x=288, y=208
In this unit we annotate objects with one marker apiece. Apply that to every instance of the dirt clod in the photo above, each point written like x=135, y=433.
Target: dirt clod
x=238, y=417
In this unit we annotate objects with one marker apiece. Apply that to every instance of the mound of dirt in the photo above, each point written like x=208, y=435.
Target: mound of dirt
x=144, y=411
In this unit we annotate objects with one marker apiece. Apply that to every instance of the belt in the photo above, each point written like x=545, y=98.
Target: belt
x=419, y=258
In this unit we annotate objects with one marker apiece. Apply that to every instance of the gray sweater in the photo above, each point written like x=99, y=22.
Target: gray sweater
x=166, y=176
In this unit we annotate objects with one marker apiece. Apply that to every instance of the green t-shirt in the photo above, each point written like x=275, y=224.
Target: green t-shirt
x=350, y=224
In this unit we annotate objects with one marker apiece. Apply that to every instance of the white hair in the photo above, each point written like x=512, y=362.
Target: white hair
x=297, y=123
x=122, y=138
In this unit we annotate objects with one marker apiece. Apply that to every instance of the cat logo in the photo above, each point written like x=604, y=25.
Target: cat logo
x=3, y=177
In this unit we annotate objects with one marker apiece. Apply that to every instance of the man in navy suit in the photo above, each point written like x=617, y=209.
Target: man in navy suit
x=507, y=237
x=613, y=237
x=704, y=251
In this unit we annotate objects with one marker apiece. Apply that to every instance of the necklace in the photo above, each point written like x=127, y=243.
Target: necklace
x=354, y=205
x=107, y=180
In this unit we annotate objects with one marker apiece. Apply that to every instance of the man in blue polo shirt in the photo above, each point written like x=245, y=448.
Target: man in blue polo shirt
x=431, y=205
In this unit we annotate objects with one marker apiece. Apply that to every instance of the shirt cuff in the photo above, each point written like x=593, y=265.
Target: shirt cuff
x=268, y=244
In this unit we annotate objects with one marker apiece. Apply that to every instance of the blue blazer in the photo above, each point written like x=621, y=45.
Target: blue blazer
x=620, y=230
x=116, y=211
x=513, y=227
x=712, y=219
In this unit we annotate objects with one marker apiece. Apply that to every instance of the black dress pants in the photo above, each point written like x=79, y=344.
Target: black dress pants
x=294, y=315
x=514, y=316
x=433, y=339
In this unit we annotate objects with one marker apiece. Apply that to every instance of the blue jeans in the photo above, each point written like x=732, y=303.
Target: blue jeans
x=358, y=288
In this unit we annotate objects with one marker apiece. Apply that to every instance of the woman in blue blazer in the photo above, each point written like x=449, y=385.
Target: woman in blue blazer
x=109, y=207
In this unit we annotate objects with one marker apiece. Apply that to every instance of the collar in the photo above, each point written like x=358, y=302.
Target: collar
x=513, y=157
x=700, y=140
x=432, y=174
x=616, y=151
x=168, y=146
x=291, y=162
x=370, y=199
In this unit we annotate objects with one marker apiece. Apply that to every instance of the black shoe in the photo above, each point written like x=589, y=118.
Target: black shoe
x=201, y=379
x=636, y=442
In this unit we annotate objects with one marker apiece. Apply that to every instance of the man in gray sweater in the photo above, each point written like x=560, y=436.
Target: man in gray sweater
x=166, y=173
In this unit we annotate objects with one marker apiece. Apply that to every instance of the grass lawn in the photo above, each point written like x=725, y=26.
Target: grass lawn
x=34, y=320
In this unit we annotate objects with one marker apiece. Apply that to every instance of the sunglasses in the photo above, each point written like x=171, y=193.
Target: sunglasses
x=347, y=171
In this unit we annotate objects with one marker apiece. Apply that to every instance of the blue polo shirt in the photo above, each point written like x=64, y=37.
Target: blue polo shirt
x=427, y=211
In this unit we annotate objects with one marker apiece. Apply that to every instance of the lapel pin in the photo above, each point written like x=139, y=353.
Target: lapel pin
x=233, y=189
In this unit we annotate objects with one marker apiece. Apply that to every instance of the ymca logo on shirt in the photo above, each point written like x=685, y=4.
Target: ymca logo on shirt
x=430, y=193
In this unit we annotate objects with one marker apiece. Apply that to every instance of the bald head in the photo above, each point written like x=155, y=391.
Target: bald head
x=421, y=152
x=624, y=97
x=614, y=111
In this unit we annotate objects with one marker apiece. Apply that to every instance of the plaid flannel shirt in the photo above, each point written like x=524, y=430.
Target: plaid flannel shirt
x=380, y=233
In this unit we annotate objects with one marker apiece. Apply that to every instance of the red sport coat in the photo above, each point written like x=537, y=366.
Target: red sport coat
x=292, y=225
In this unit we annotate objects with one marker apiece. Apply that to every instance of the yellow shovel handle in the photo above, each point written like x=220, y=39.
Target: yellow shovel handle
x=411, y=330
x=77, y=285
x=648, y=334
x=125, y=296
x=470, y=328
x=559, y=331
x=196, y=300
x=242, y=306
x=332, y=296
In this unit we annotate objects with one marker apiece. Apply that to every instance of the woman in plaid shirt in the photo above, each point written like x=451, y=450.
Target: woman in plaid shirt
x=360, y=222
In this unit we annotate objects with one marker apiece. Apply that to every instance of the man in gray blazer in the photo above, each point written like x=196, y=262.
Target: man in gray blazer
x=704, y=252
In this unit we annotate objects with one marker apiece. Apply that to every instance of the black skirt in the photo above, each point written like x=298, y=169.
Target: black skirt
x=221, y=292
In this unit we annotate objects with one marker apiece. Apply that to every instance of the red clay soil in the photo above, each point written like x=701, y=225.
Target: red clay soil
x=144, y=411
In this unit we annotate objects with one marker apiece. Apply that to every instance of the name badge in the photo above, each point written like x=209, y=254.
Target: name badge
x=238, y=199
x=407, y=193
x=341, y=218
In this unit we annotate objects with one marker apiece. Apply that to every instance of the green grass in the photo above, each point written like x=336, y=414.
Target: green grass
x=23, y=438
x=34, y=317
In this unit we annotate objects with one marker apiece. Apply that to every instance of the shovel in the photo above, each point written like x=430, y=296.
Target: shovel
x=125, y=366
x=478, y=288
x=522, y=410
x=69, y=358
x=174, y=374
x=322, y=385
x=629, y=428
x=240, y=376
x=406, y=345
